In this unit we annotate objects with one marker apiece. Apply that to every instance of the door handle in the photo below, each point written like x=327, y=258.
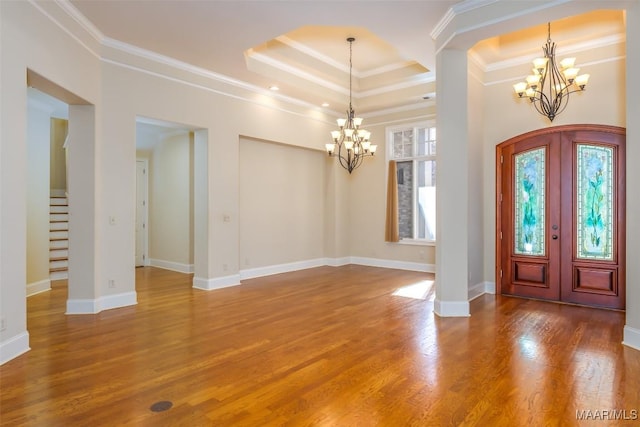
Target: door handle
x=554, y=237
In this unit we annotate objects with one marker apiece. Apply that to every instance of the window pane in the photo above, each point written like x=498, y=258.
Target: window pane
x=595, y=202
x=405, y=199
x=397, y=145
x=423, y=141
x=426, y=200
x=529, y=189
x=407, y=138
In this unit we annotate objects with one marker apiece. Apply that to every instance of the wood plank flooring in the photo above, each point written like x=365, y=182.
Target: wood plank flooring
x=320, y=347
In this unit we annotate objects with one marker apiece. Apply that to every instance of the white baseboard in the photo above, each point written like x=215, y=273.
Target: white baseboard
x=170, y=265
x=451, y=308
x=37, y=287
x=490, y=288
x=631, y=337
x=337, y=262
x=480, y=289
x=108, y=302
x=216, y=282
x=399, y=265
x=281, y=268
x=14, y=347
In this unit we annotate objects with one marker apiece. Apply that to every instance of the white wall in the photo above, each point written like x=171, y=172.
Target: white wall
x=281, y=204
x=171, y=200
x=38, y=143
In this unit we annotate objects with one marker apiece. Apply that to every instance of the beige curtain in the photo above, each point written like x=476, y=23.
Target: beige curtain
x=391, y=225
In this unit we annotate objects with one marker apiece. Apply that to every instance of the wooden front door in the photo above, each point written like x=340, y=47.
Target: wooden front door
x=560, y=215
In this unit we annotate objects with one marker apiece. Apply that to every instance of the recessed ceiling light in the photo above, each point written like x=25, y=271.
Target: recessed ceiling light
x=274, y=88
x=325, y=104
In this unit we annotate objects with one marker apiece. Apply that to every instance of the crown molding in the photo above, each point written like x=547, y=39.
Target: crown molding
x=457, y=9
x=82, y=20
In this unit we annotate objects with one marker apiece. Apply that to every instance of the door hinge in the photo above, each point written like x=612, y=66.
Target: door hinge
x=501, y=235
x=500, y=272
x=501, y=159
x=500, y=197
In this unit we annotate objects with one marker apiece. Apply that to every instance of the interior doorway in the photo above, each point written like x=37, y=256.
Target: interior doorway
x=560, y=215
x=164, y=231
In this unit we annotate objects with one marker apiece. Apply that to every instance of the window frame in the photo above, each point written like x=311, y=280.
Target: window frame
x=415, y=158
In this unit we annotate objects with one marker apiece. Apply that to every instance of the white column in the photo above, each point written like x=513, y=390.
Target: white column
x=632, y=328
x=452, y=185
x=83, y=282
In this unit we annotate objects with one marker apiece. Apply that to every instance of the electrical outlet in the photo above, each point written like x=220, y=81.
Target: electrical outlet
x=112, y=283
x=225, y=267
x=3, y=324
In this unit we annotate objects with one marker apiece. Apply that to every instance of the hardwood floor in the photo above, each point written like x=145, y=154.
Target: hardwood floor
x=320, y=347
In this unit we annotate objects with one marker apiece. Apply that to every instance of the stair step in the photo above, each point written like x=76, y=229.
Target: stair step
x=58, y=209
x=59, y=235
x=58, y=226
x=59, y=217
x=57, y=253
x=58, y=265
x=58, y=258
x=58, y=244
x=58, y=275
x=58, y=201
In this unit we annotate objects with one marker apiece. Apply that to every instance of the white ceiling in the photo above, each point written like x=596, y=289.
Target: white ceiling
x=301, y=46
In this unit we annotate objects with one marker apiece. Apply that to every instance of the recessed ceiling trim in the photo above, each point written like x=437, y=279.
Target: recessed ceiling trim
x=385, y=69
x=313, y=53
x=282, y=66
x=566, y=51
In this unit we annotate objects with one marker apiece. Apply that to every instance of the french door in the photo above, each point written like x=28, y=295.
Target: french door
x=560, y=215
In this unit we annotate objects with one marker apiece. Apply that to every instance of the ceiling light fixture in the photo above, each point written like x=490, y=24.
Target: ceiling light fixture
x=350, y=143
x=548, y=88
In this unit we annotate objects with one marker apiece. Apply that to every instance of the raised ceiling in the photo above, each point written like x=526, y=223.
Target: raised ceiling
x=300, y=46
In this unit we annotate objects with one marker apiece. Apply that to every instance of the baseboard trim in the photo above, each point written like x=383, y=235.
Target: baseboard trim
x=399, y=265
x=490, y=288
x=14, y=347
x=108, y=302
x=281, y=268
x=337, y=262
x=451, y=308
x=631, y=337
x=480, y=289
x=216, y=282
x=170, y=265
x=38, y=287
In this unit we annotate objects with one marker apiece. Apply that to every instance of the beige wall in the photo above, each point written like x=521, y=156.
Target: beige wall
x=58, y=159
x=281, y=204
x=38, y=141
x=171, y=200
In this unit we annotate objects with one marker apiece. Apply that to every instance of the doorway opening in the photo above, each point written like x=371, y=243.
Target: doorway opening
x=560, y=207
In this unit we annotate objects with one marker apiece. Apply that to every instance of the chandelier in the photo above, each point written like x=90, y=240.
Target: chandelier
x=350, y=143
x=549, y=86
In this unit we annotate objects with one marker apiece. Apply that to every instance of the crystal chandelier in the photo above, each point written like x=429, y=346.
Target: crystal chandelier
x=350, y=143
x=549, y=86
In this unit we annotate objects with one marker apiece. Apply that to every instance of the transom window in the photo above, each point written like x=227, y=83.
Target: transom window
x=414, y=150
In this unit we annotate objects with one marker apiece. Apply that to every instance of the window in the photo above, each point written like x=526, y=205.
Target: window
x=414, y=150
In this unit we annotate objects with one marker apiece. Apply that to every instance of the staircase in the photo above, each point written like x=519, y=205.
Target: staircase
x=58, y=237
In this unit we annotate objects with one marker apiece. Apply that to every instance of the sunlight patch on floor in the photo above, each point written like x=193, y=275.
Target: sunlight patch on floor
x=418, y=290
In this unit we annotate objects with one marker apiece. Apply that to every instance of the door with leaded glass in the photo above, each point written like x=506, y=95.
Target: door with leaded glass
x=560, y=215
